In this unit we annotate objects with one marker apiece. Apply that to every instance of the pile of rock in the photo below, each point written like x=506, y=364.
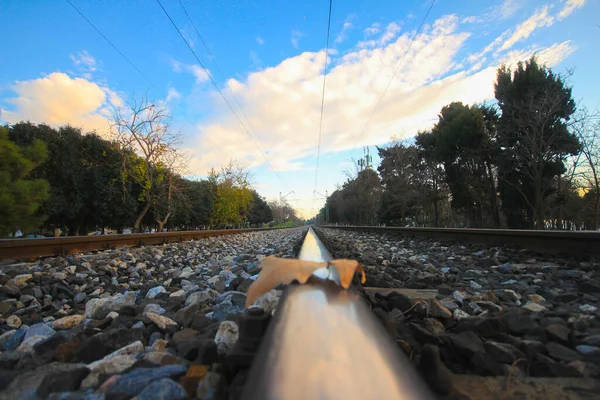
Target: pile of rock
x=491, y=311
x=148, y=322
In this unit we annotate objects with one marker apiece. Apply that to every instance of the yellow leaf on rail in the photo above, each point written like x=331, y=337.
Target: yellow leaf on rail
x=346, y=269
x=275, y=271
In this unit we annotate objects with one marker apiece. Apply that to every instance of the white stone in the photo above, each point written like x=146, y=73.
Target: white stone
x=535, y=307
x=475, y=285
x=459, y=314
x=94, y=307
x=588, y=308
x=179, y=293
x=226, y=336
x=129, y=350
x=460, y=296
x=13, y=322
x=201, y=297
x=268, y=301
x=155, y=308
x=107, y=366
x=161, y=321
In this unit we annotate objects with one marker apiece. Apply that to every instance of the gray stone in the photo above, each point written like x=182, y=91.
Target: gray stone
x=155, y=291
x=200, y=297
x=588, y=350
x=41, y=329
x=562, y=353
x=557, y=332
x=80, y=298
x=25, y=385
x=155, y=308
x=593, y=340
x=134, y=382
x=504, y=352
x=222, y=310
x=466, y=343
x=163, y=389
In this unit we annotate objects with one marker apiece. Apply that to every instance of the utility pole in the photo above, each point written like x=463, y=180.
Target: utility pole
x=326, y=197
x=283, y=197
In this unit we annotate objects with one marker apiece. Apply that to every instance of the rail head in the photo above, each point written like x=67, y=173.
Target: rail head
x=325, y=343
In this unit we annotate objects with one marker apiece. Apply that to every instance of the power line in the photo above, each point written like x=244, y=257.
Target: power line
x=225, y=80
x=394, y=74
x=322, y=105
x=323, y=94
x=113, y=46
x=135, y=67
x=209, y=75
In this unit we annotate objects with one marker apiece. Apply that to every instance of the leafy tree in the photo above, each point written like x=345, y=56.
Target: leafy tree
x=414, y=192
x=232, y=195
x=259, y=212
x=20, y=198
x=462, y=140
x=533, y=139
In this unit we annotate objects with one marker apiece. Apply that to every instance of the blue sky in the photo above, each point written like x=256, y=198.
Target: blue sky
x=57, y=69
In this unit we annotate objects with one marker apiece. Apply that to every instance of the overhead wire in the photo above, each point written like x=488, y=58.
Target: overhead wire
x=222, y=75
x=323, y=94
x=209, y=75
x=135, y=67
x=322, y=102
x=394, y=74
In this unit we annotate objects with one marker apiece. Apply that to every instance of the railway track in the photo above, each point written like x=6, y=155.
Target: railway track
x=553, y=242
x=22, y=249
x=556, y=242
x=323, y=341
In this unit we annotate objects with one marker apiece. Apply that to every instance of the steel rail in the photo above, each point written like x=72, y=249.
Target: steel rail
x=554, y=242
x=31, y=248
x=325, y=343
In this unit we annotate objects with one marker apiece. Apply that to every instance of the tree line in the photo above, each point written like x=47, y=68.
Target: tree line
x=74, y=182
x=529, y=161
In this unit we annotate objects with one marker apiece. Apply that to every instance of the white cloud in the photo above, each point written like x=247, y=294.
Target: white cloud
x=57, y=99
x=373, y=30
x=570, y=6
x=255, y=59
x=296, y=36
x=540, y=18
x=508, y=8
x=84, y=60
x=343, y=34
x=196, y=70
x=172, y=94
x=282, y=102
x=391, y=30
x=499, y=12
x=260, y=40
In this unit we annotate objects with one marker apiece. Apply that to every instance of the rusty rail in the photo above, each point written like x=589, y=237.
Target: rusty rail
x=555, y=242
x=21, y=249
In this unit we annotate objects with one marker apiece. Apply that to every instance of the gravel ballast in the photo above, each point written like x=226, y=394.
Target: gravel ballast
x=150, y=322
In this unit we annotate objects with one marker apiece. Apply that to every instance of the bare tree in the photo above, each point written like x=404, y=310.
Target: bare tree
x=150, y=148
x=541, y=145
x=587, y=129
